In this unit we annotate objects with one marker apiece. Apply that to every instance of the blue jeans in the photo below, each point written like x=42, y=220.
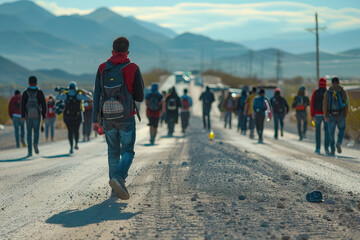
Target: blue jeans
x=340, y=122
x=228, y=115
x=242, y=119
x=18, y=123
x=278, y=117
x=49, y=123
x=318, y=121
x=125, y=137
x=251, y=125
x=32, y=124
x=301, y=116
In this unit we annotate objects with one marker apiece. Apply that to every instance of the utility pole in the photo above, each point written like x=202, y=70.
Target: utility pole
x=278, y=67
x=316, y=31
x=202, y=59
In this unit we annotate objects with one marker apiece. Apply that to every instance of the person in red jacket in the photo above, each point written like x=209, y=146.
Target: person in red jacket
x=50, y=118
x=114, y=110
x=317, y=115
x=15, y=114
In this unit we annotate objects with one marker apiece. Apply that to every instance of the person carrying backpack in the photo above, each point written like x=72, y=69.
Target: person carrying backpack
x=14, y=111
x=228, y=105
x=154, y=104
x=186, y=104
x=50, y=118
x=336, y=107
x=280, y=108
x=259, y=108
x=72, y=115
x=88, y=106
x=300, y=103
x=249, y=111
x=33, y=106
x=118, y=85
x=317, y=115
x=172, y=110
x=240, y=106
x=207, y=98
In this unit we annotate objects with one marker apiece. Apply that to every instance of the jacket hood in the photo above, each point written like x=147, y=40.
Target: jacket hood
x=119, y=58
x=322, y=82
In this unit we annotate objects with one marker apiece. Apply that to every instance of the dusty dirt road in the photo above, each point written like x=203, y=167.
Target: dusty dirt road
x=184, y=187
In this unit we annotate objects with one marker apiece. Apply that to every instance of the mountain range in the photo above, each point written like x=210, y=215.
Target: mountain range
x=37, y=39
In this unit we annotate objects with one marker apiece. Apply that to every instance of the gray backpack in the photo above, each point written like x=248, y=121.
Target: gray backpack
x=116, y=100
x=32, y=105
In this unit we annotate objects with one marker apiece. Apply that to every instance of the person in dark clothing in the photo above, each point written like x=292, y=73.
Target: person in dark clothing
x=33, y=106
x=72, y=114
x=163, y=112
x=317, y=116
x=228, y=105
x=172, y=110
x=300, y=103
x=249, y=111
x=186, y=104
x=88, y=105
x=259, y=108
x=242, y=117
x=154, y=104
x=280, y=108
x=207, y=98
x=14, y=111
x=120, y=131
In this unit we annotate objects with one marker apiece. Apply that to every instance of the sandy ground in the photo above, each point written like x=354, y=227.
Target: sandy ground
x=184, y=187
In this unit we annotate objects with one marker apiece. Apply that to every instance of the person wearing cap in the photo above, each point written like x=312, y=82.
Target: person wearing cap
x=280, y=107
x=33, y=107
x=336, y=107
x=154, y=107
x=72, y=114
x=259, y=109
x=317, y=115
x=15, y=115
x=300, y=103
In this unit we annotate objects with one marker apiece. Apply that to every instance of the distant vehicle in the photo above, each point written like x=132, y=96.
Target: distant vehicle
x=218, y=87
x=180, y=76
x=199, y=81
x=235, y=92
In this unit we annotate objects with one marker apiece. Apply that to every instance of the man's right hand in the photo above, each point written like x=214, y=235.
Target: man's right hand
x=98, y=128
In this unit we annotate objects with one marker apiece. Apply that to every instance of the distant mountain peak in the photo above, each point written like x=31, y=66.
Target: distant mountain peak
x=102, y=14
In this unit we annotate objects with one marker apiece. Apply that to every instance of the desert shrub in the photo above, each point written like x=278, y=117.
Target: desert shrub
x=153, y=76
x=353, y=119
x=4, y=116
x=231, y=80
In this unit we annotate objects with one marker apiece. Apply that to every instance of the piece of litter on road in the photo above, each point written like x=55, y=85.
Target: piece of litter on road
x=242, y=197
x=280, y=205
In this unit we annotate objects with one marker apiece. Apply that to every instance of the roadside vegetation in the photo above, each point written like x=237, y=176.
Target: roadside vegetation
x=154, y=75
x=4, y=116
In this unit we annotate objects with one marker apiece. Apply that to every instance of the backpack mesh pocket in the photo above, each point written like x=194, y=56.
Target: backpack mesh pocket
x=113, y=107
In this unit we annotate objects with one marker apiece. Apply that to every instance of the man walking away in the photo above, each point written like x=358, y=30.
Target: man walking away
x=259, y=108
x=300, y=103
x=172, y=111
x=72, y=114
x=317, y=115
x=33, y=106
x=207, y=98
x=88, y=106
x=242, y=117
x=228, y=105
x=50, y=118
x=249, y=111
x=336, y=107
x=154, y=103
x=118, y=84
x=280, y=108
x=186, y=104
x=15, y=115
x=163, y=111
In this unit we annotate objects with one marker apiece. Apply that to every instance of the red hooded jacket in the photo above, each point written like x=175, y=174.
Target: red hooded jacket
x=313, y=111
x=14, y=105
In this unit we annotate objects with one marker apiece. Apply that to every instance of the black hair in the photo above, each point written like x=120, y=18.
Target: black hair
x=32, y=80
x=262, y=91
x=254, y=89
x=17, y=92
x=185, y=91
x=121, y=44
x=335, y=80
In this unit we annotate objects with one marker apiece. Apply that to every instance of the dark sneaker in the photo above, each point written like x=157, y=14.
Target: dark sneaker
x=29, y=155
x=76, y=147
x=71, y=151
x=338, y=148
x=327, y=152
x=36, y=149
x=317, y=151
x=119, y=188
x=332, y=154
x=282, y=132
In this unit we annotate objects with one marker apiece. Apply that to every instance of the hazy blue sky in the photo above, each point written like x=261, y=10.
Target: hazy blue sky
x=235, y=20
